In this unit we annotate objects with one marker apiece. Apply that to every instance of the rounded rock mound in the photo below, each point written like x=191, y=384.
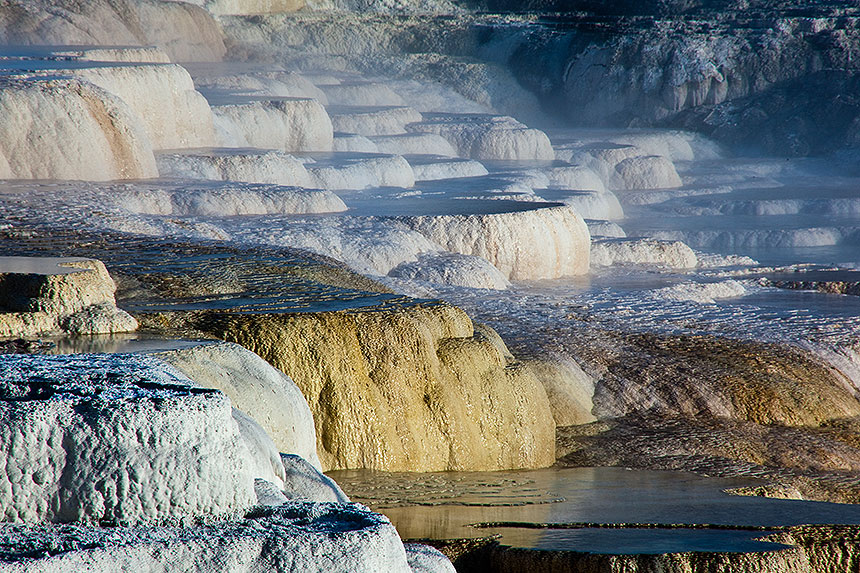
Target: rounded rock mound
x=117, y=439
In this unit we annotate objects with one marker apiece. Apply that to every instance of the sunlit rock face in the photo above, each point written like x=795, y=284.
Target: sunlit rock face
x=163, y=97
x=452, y=269
x=184, y=31
x=116, y=438
x=313, y=537
x=288, y=124
x=591, y=204
x=403, y=389
x=227, y=164
x=83, y=132
x=353, y=143
x=41, y=296
x=488, y=137
x=361, y=172
x=645, y=172
x=373, y=121
x=672, y=254
x=256, y=388
x=414, y=144
x=540, y=243
x=621, y=166
x=225, y=7
x=437, y=168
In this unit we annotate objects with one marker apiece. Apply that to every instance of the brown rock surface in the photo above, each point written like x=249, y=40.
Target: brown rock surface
x=401, y=389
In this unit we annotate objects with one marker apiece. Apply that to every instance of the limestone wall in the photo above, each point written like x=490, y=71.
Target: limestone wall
x=54, y=128
x=535, y=244
x=186, y=32
x=163, y=97
x=410, y=389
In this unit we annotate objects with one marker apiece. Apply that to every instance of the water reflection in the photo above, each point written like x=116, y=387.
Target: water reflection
x=445, y=505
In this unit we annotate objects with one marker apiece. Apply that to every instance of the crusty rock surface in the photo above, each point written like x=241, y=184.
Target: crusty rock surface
x=303, y=481
x=569, y=389
x=77, y=297
x=400, y=389
x=162, y=97
x=83, y=131
x=638, y=251
x=288, y=124
x=117, y=439
x=542, y=243
x=296, y=536
x=186, y=32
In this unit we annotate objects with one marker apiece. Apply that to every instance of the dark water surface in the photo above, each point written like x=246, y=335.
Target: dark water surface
x=446, y=505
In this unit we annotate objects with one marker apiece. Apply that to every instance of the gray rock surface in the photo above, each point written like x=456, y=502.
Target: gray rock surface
x=303, y=481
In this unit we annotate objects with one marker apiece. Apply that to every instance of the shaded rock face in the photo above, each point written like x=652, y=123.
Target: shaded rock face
x=254, y=387
x=77, y=298
x=814, y=549
x=117, y=439
x=721, y=408
x=305, y=482
x=811, y=115
x=410, y=389
x=761, y=383
x=299, y=536
x=816, y=463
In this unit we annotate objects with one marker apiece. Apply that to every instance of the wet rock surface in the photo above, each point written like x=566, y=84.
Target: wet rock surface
x=51, y=295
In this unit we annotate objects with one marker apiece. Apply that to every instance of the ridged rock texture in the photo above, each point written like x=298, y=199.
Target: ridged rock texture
x=288, y=124
x=163, y=97
x=186, y=32
x=532, y=244
x=75, y=296
x=413, y=389
x=83, y=132
x=116, y=439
